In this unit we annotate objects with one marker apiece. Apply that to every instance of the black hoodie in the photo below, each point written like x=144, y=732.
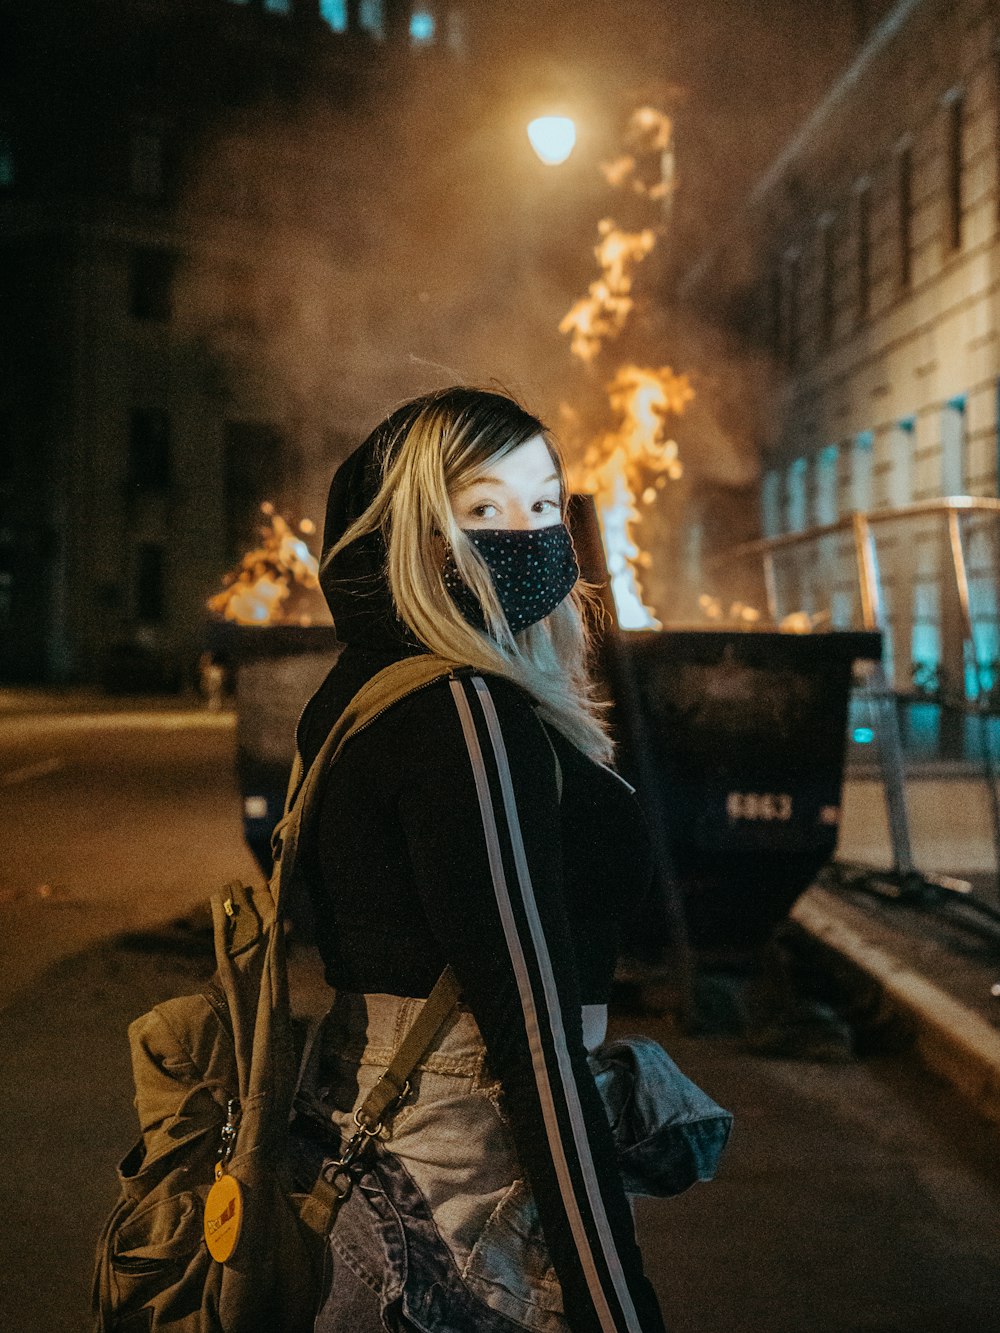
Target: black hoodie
x=406, y=884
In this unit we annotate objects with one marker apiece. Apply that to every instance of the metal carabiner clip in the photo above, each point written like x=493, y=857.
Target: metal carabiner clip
x=229, y=1131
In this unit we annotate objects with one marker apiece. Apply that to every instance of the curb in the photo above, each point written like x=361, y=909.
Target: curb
x=181, y=720
x=952, y=1040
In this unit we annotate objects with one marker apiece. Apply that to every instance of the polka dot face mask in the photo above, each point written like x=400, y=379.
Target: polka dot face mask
x=533, y=570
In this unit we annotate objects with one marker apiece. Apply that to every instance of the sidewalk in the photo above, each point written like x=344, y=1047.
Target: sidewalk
x=936, y=971
x=80, y=706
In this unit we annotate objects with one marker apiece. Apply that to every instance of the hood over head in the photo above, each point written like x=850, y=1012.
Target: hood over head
x=354, y=583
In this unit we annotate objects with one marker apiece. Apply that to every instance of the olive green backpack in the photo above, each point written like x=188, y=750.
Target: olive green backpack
x=215, y=1078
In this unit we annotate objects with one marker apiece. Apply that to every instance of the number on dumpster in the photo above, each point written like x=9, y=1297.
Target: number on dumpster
x=758, y=805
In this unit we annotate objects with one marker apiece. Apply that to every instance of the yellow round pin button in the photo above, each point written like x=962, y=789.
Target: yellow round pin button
x=223, y=1216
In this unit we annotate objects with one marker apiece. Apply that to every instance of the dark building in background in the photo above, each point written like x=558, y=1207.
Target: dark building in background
x=131, y=471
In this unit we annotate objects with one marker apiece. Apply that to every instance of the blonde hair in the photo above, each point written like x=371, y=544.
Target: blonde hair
x=440, y=442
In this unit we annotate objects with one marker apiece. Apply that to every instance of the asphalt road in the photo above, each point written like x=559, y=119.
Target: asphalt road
x=112, y=823
x=855, y=1198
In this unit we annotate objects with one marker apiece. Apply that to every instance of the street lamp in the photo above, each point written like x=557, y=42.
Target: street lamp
x=553, y=138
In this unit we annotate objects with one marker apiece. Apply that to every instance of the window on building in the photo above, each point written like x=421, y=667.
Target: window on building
x=146, y=159
x=827, y=465
x=902, y=445
x=955, y=149
x=770, y=504
x=334, y=14
x=796, y=511
x=423, y=26
x=371, y=18
x=953, y=461
x=827, y=278
x=457, y=37
x=863, y=224
x=862, y=457
x=150, y=584
x=254, y=472
x=8, y=166
x=904, y=214
x=151, y=279
x=149, y=462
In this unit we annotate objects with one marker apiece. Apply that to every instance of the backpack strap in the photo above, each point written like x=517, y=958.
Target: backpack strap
x=393, y=683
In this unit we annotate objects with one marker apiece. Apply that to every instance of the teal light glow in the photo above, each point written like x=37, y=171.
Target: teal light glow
x=422, y=26
x=863, y=735
x=334, y=13
x=371, y=17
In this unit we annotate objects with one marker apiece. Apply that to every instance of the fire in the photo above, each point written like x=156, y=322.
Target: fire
x=604, y=311
x=633, y=459
x=738, y=611
x=649, y=140
x=796, y=622
x=262, y=590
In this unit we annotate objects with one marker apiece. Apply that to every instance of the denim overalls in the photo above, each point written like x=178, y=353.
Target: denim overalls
x=441, y=1233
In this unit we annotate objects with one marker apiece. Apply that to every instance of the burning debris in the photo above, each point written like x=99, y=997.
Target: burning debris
x=604, y=311
x=277, y=582
x=646, y=167
x=739, y=613
x=713, y=609
x=626, y=467
x=634, y=459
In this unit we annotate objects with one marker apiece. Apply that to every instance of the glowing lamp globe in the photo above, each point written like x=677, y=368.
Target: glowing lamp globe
x=553, y=138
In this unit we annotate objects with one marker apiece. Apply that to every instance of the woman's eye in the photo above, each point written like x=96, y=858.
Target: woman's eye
x=545, y=506
x=484, y=511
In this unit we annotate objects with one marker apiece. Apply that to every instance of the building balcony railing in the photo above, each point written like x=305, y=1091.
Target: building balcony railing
x=927, y=575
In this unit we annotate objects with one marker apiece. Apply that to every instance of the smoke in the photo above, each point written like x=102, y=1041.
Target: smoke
x=345, y=251
x=337, y=262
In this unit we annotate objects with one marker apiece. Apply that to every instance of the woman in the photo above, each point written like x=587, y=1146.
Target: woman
x=444, y=533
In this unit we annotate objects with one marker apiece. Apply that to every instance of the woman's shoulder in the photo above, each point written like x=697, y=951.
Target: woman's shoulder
x=434, y=720
x=443, y=697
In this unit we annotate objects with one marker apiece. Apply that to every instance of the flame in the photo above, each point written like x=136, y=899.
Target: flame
x=633, y=459
x=636, y=458
x=649, y=144
x=796, y=622
x=604, y=311
x=258, y=592
x=738, y=611
x=649, y=130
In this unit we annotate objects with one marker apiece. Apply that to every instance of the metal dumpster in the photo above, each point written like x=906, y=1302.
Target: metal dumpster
x=276, y=669
x=742, y=736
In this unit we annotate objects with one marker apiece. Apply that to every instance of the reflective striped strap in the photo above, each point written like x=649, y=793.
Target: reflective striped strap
x=544, y=1024
x=420, y=1036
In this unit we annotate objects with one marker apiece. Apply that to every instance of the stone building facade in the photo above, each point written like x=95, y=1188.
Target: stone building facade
x=866, y=262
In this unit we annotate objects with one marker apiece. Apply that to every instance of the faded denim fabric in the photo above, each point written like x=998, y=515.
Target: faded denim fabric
x=448, y=1188
x=668, y=1132
x=442, y=1225
x=386, y=1266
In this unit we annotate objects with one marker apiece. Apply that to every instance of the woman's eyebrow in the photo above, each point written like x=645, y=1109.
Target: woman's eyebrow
x=496, y=481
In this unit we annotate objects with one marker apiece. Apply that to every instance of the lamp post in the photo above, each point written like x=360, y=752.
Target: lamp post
x=553, y=138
